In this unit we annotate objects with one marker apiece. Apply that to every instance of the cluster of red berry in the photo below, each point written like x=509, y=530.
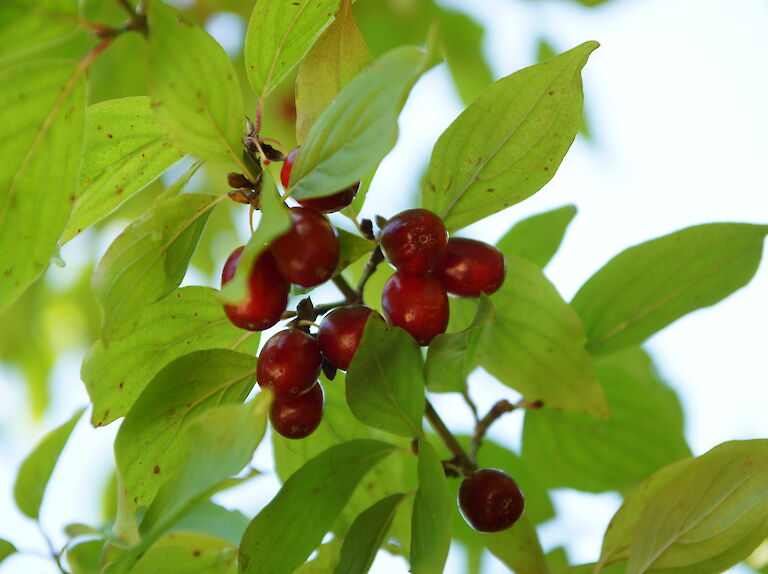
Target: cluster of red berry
x=429, y=266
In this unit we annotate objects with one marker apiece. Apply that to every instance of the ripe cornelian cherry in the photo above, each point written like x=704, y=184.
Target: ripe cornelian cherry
x=289, y=363
x=490, y=500
x=299, y=417
x=308, y=254
x=340, y=333
x=417, y=303
x=267, y=293
x=327, y=204
x=413, y=240
x=469, y=267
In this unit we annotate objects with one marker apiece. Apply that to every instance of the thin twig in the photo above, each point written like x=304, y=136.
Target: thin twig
x=377, y=256
x=471, y=404
x=55, y=555
x=125, y=5
x=499, y=409
x=461, y=459
x=346, y=289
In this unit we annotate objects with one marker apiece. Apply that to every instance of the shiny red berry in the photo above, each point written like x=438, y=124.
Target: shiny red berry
x=469, y=267
x=267, y=293
x=308, y=254
x=414, y=240
x=289, y=363
x=327, y=204
x=299, y=417
x=340, y=333
x=417, y=303
x=490, y=500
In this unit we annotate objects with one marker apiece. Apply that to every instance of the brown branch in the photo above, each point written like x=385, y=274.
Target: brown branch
x=461, y=460
x=498, y=410
x=350, y=295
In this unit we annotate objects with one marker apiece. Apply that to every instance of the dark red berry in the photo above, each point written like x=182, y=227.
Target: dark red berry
x=414, y=240
x=417, y=303
x=308, y=254
x=289, y=363
x=267, y=293
x=299, y=417
x=469, y=267
x=327, y=204
x=490, y=500
x=340, y=333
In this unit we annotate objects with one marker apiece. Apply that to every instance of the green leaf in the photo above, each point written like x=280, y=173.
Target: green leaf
x=6, y=549
x=149, y=446
x=709, y=516
x=85, y=557
x=77, y=529
x=359, y=128
x=37, y=468
x=536, y=344
x=213, y=520
x=508, y=143
x=518, y=547
x=326, y=560
x=190, y=319
x=275, y=221
x=148, y=260
x=177, y=186
x=337, y=57
x=25, y=24
x=538, y=237
x=284, y=533
x=351, y=248
x=433, y=509
x=188, y=554
x=644, y=433
x=194, y=88
x=125, y=150
x=366, y=536
x=451, y=356
x=395, y=474
x=278, y=37
x=385, y=382
x=225, y=438
x=651, y=285
x=42, y=114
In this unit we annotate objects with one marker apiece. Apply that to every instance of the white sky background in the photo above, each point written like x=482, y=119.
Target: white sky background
x=677, y=99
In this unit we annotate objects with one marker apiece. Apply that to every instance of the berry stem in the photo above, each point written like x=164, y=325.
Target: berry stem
x=498, y=410
x=377, y=256
x=461, y=460
x=350, y=295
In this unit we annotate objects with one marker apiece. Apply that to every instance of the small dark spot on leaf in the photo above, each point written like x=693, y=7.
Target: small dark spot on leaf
x=98, y=127
x=121, y=385
x=119, y=190
x=109, y=136
x=72, y=197
x=551, y=93
x=156, y=470
x=173, y=316
x=196, y=553
x=546, y=168
x=490, y=190
x=135, y=499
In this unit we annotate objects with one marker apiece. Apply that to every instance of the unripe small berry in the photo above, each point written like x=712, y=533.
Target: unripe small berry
x=267, y=293
x=469, y=268
x=417, y=303
x=299, y=417
x=490, y=500
x=340, y=333
x=289, y=363
x=414, y=240
x=307, y=255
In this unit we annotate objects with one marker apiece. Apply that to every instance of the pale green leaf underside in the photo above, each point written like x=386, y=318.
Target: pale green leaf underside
x=366, y=536
x=278, y=37
x=359, y=128
x=195, y=93
x=125, y=149
x=188, y=553
x=385, y=383
x=284, y=533
x=151, y=444
x=36, y=470
x=518, y=547
x=148, y=260
x=644, y=433
x=536, y=344
x=25, y=24
x=509, y=142
x=433, y=510
x=42, y=114
x=189, y=319
x=651, y=285
x=537, y=238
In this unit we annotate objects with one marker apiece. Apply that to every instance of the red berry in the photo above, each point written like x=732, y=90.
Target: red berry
x=299, y=417
x=340, y=333
x=417, y=303
x=289, y=363
x=327, y=204
x=308, y=254
x=413, y=240
x=267, y=293
x=490, y=500
x=469, y=267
